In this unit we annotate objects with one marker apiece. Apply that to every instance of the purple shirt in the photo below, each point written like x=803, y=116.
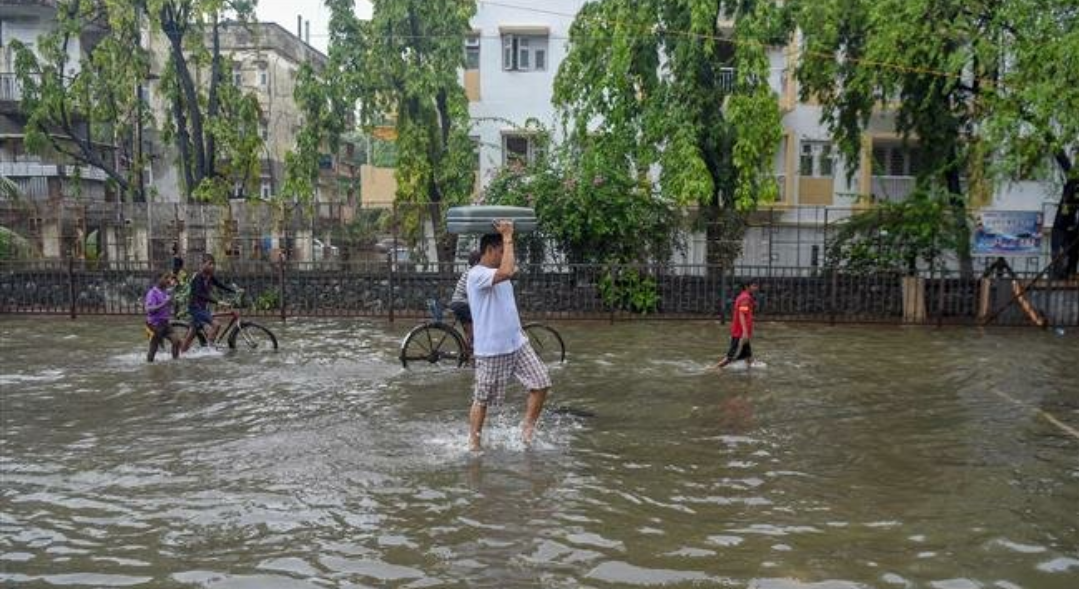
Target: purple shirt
x=157, y=298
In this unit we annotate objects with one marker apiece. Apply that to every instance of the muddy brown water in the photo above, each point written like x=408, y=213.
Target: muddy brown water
x=855, y=457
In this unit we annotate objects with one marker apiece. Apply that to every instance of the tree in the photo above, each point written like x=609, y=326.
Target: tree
x=592, y=208
x=928, y=62
x=669, y=89
x=99, y=111
x=1034, y=110
x=213, y=125
x=85, y=104
x=903, y=237
x=402, y=65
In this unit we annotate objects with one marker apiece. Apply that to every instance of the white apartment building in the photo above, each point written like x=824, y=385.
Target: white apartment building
x=513, y=55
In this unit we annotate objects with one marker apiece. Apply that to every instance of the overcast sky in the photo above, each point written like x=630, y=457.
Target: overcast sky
x=283, y=12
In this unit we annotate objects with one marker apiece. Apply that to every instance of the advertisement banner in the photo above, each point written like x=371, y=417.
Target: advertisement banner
x=1008, y=233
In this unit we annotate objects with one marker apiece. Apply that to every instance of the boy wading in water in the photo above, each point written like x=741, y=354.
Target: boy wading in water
x=158, y=303
x=742, y=326
x=501, y=348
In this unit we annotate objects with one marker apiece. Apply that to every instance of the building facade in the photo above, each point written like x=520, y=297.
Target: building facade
x=39, y=176
x=265, y=60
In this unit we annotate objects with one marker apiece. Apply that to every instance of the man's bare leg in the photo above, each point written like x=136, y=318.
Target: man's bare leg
x=475, y=418
x=532, y=413
x=189, y=338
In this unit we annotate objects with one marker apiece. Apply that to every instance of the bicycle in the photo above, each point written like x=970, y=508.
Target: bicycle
x=237, y=331
x=436, y=342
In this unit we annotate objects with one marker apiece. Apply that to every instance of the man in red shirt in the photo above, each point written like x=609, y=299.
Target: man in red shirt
x=742, y=326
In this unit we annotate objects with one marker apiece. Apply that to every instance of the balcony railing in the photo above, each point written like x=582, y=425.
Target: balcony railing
x=728, y=77
x=891, y=188
x=38, y=170
x=10, y=89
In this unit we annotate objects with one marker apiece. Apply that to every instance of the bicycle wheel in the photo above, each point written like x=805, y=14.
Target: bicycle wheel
x=252, y=336
x=181, y=327
x=546, y=342
x=431, y=344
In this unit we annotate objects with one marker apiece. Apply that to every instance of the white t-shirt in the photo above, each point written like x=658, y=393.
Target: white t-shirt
x=496, y=327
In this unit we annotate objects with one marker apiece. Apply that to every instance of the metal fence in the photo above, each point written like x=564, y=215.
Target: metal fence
x=116, y=233
x=343, y=260
x=397, y=291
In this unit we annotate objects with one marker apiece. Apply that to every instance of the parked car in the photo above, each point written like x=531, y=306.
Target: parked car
x=323, y=251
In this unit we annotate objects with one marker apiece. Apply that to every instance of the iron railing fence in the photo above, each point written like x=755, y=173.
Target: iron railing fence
x=774, y=239
x=396, y=290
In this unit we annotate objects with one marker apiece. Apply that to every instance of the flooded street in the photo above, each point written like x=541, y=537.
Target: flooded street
x=856, y=457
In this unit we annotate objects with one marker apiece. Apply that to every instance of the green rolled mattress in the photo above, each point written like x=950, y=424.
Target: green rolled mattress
x=481, y=218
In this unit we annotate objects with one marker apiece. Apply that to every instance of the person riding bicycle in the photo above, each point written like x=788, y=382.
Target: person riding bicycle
x=459, y=300
x=198, y=307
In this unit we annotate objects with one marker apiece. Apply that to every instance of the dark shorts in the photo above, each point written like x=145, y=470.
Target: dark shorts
x=747, y=351
x=200, y=317
x=462, y=311
x=160, y=330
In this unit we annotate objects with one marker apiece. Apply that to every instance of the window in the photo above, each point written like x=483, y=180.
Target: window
x=522, y=149
x=896, y=160
x=524, y=53
x=264, y=130
x=817, y=160
x=472, y=52
x=264, y=77
x=266, y=190
x=237, y=77
x=477, y=144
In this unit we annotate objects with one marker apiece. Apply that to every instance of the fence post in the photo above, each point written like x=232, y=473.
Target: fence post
x=940, y=299
x=71, y=283
x=389, y=280
x=281, y=288
x=723, y=295
x=833, y=297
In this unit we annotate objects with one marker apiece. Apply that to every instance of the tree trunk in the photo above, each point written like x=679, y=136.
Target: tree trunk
x=1065, y=231
x=183, y=144
x=212, y=105
x=962, y=228
x=174, y=30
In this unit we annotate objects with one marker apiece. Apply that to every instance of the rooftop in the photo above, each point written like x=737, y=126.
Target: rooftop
x=269, y=36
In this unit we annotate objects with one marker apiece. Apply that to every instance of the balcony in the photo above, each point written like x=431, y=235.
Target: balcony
x=38, y=170
x=727, y=80
x=891, y=188
x=10, y=89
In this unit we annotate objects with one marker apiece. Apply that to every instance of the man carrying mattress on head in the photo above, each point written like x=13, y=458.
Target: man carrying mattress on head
x=501, y=349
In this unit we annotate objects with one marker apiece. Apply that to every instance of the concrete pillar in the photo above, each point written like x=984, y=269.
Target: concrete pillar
x=109, y=244
x=303, y=246
x=139, y=246
x=212, y=241
x=865, y=167
x=51, y=244
x=913, y=299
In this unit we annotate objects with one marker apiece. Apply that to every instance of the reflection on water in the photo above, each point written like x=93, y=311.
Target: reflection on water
x=855, y=458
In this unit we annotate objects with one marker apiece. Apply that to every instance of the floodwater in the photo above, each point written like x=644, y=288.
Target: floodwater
x=857, y=457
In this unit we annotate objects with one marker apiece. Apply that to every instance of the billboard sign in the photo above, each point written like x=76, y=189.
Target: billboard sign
x=1008, y=233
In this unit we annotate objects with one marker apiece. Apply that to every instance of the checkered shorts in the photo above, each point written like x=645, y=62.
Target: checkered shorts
x=493, y=374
